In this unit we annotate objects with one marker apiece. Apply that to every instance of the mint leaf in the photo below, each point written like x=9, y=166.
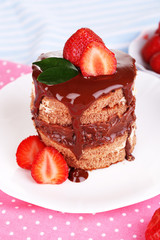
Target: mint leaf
x=54, y=62
x=56, y=70
x=57, y=75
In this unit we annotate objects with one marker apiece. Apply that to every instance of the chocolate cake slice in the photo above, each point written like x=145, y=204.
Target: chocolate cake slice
x=91, y=121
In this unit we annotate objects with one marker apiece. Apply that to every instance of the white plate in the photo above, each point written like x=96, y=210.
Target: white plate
x=135, y=50
x=120, y=185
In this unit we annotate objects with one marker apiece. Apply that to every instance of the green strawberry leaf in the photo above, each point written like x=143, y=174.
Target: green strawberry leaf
x=57, y=75
x=56, y=70
x=54, y=62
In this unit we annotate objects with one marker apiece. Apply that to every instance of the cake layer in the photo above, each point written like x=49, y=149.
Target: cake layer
x=54, y=112
x=95, y=157
x=92, y=134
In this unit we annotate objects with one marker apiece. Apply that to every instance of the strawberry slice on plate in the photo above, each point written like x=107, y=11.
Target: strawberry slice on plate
x=153, y=228
x=76, y=44
x=27, y=151
x=49, y=167
x=97, y=60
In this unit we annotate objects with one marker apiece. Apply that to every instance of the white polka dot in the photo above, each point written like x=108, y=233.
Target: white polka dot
x=90, y=238
x=80, y=218
x=142, y=220
x=20, y=216
x=41, y=233
x=33, y=211
x=50, y=216
x=68, y=223
x=3, y=211
x=129, y=225
x=59, y=238
x=103, y=234
x=18, y=66
x=72, y=234
x=98, y=224
x=116, y=230
x=111, y=219
x=16, y=207
x=11, y=233
x=13, y=200
x=85, y=229
x=148, y=206
x=7, y=222
x=54, y=228
x=1, y=203
x=136, y=210
x=11, y=78
x=124, y=214
x=93, y=213
x=28, y=238
x=8, y=70
x=134, y=236
x=1, y=83
x=29, y=205
x=4, y=63
x=24, y=228
x=37, y=222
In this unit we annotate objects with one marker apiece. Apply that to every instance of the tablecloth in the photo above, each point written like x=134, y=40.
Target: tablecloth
x=20, y=220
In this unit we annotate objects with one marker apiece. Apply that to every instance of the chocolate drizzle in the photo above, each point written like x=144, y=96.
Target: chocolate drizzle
x=79, y=93
x=77, y=175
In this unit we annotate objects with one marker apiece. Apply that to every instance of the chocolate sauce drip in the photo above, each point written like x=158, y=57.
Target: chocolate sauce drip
x=92, y=134
x=79, y=93
x=77, y=175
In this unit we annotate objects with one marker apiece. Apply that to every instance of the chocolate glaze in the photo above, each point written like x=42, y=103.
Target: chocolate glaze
x=77, y=175
x=78, y=94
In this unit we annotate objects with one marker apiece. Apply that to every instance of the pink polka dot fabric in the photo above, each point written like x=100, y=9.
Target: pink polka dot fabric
x=20, y=220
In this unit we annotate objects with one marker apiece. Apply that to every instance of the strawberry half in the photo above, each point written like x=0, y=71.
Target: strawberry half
x=151, y=47
x=153, y=228
x=49, y=167
x=97, y=60
x=76, y=44
x=27, y=151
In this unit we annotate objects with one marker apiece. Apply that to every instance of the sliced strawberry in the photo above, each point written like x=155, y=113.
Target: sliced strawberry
x=153, y=228
x=151, y=47
x=155, y=62
x=97, y=60
x=76, y=44
x=27, y=150
x=49, y=167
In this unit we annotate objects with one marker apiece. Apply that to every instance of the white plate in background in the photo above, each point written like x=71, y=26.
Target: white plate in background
x=136, y=46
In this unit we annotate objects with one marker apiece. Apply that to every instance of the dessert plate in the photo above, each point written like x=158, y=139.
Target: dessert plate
x=135, y=50
x=119, y=185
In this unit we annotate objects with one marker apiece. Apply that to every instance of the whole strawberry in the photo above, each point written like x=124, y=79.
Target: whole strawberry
x=151, y=47
x=76, y=44
x=153, y=228
x=155, y=62
x=158, y=29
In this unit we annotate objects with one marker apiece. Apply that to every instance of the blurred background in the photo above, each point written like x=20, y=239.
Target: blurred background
x=31, y=27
